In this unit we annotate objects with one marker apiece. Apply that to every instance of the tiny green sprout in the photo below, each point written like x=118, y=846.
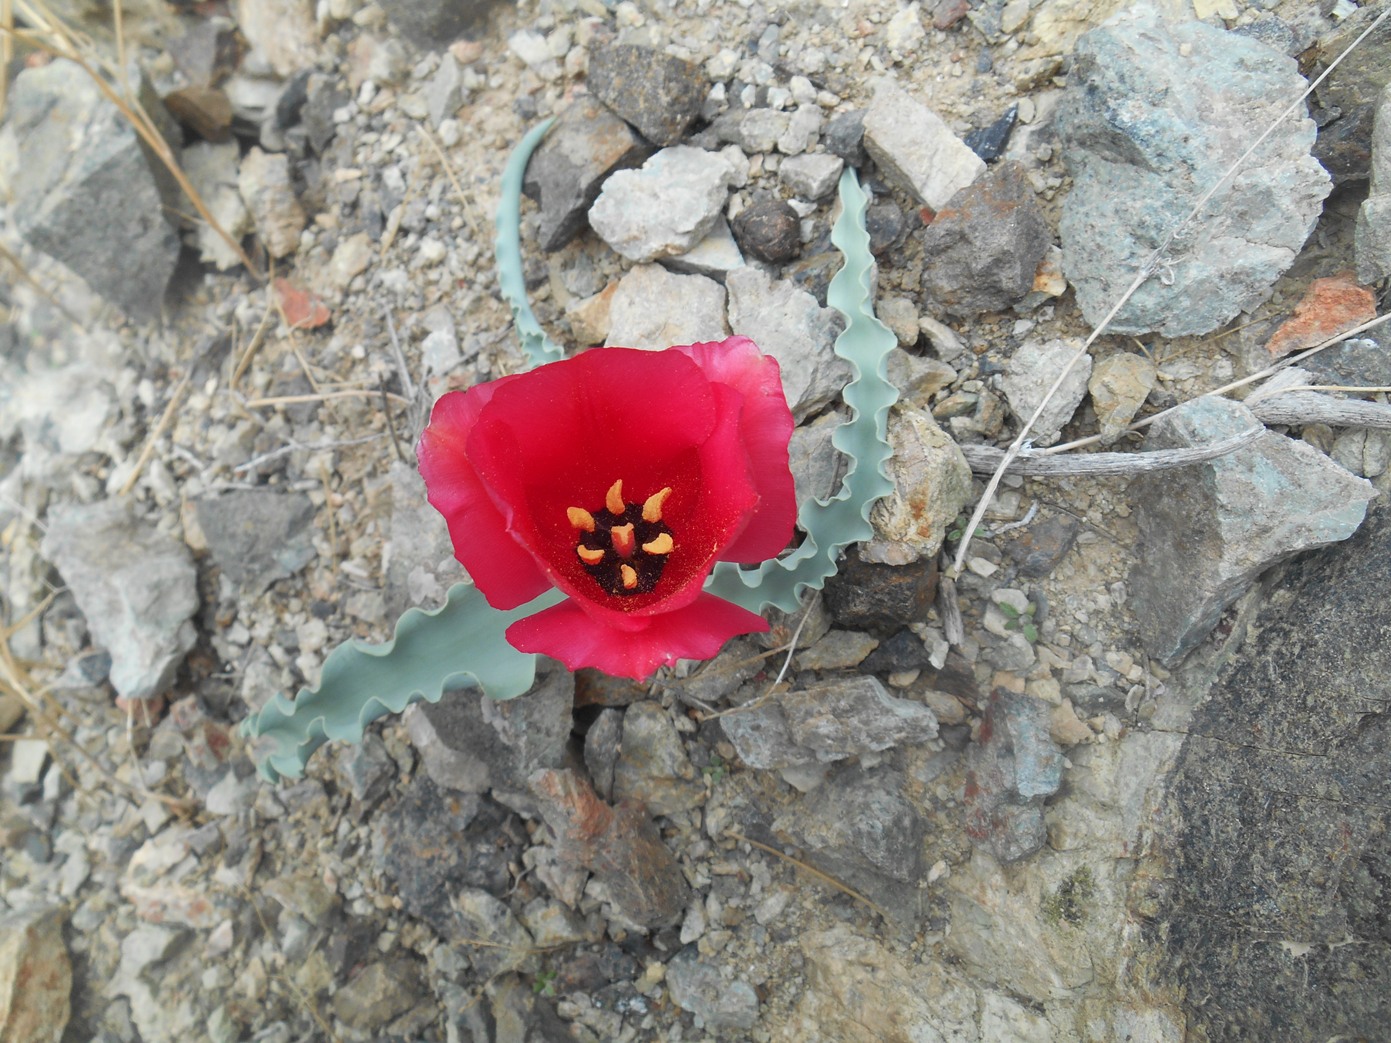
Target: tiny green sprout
x=958, y=528
x=716, y=769
x=1020, y=621
x=544, y=985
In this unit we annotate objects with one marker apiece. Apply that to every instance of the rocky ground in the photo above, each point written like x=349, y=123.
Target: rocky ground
x=1122, y=777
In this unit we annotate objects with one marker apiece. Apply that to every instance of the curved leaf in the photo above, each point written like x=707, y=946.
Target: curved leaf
x=455, y=646
x=508, y=249
x=844, y=519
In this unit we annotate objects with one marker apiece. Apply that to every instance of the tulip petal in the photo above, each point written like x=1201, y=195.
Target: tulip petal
x=765, y=428
x=501, y=568
x=698, y=631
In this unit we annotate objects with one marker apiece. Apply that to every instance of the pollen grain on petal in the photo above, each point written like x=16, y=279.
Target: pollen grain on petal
x=652, y=507
x=623, y=541
x=613, y=499
x=630, y=577
x=580, y=518
x=662, y=543
x=588, y=555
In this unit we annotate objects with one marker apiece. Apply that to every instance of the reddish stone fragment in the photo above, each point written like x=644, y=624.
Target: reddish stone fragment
x=1330, y=307
x=303, y=309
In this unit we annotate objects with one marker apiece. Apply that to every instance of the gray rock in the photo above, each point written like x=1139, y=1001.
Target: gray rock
x=837, y=650
x=664, y=208
x=865, y=594
x=268, y=188
x=472, y=743
x=1372, y=236
x=770, y=230
x=932, y=483
x=652, y=764
x=915, y=149
x=803, y=128
x=1153, y=116
x=1119, y=385
x=1360, y=361
x=701, y=989
x=838, y=719
x=981, y=251
x=84, y=190
x=715, y=256
x=136, y=587
x=817, y=465
x=232, y=794
x=1029, y=374
x=1349, y=98
x=485, y=917
x=419, y=559
x=762, y=739
x=659, y=94
x=918, y=378
x=845, y=135
x=431, y=843
x=35, y=975
x=257, y=536
x=1014, y=766
x=380, y=992
x=861, y=829
x=813, y=175
x=587, y=142
x=212, y=171
x=601, y=748
x=654, y=308
x=433, y=25
x=635, y=872
x=445, y=92
x=758, y=130
x=1279, y=804
x=1207, y=532
x=788, y=324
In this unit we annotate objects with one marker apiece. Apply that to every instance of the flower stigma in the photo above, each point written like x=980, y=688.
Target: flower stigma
x=624, y=547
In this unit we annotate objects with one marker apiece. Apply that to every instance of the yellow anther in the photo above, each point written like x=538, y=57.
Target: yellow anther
x=652, y=508
x=613, y=499
x=588, y=556
x=661, y=545
x=630, y=578
x=580, y=518
x=623, y=541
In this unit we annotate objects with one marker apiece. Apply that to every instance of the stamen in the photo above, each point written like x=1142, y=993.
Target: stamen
x=660, y=544
x=580, y=518
x=613, y=499
x=623, y=542
x=588, y=556
x=630, y=578
x=652, y=508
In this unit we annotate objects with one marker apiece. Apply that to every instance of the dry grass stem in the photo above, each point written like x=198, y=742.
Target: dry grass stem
x=811, y=870
x=323, y=396
x=166, y=418
x=983, y=459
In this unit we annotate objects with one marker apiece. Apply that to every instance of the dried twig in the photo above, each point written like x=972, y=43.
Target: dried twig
x=984, y=459
x=323, y=396
x=1297, y=407
x=811, y=870
x=175, y=398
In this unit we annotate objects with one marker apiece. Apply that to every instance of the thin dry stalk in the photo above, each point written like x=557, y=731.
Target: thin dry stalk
x=811, y=870
x=983, y=459
x=324, y=396
x=1151, y=265
x=258, y=337
x=166, y=418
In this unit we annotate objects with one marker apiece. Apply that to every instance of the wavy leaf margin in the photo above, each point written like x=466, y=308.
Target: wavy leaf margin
x=834, y=524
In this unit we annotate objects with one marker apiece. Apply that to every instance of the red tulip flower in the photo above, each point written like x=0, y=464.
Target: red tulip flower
x=618, y=477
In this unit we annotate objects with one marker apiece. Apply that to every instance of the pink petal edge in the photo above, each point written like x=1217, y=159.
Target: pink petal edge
x=698, y=631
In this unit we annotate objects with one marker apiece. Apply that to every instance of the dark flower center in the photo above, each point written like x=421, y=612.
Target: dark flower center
x=625, y=545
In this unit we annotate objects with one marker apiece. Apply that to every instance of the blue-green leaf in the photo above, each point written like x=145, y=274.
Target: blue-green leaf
x=508, y=246
x=831, y=526
x=455, y=646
